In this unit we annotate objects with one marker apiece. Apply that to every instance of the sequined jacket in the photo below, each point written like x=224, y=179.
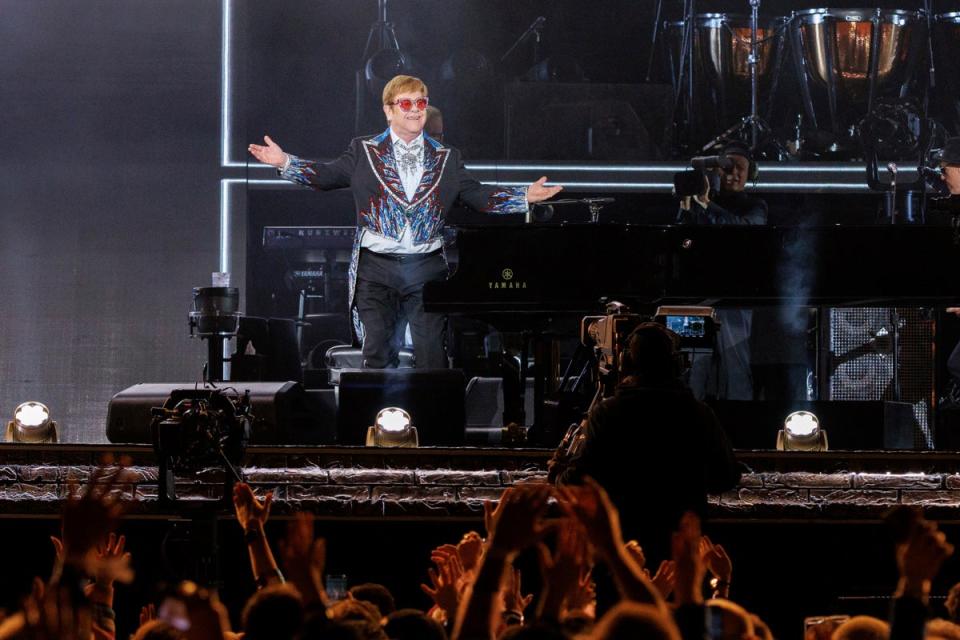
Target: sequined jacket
x=369, y=169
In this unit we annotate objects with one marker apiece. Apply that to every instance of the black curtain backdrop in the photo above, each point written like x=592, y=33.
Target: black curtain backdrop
x=109, y=198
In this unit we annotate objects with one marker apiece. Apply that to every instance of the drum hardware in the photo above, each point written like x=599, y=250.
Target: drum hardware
x=653, y=40
x=754, y=120
x=684, y=73
x=535, y=30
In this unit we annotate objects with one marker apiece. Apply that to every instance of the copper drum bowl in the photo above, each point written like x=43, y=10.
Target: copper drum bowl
x=721, y=70
x=848, y=58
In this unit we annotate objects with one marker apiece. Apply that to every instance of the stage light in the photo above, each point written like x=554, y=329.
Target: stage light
x=31, y=423
x=801, y=432
x=392, y=428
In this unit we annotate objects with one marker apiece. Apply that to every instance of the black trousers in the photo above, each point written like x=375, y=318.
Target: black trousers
x=388, y=284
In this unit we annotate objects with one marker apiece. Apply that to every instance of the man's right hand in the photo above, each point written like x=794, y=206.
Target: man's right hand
x=271, y=154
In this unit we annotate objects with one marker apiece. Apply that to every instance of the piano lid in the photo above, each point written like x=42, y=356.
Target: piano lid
x=568, y=268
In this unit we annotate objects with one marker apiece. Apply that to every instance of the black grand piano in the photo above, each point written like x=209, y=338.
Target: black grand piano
x=568, y=268
x=519, y=277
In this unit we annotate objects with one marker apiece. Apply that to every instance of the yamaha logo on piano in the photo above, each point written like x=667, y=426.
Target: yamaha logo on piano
x=506, y=281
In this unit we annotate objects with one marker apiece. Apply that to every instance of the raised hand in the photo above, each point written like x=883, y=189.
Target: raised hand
x=490, y=513
x=89, y=518
x=470, y=549
x=445, y=581
x=636, y=552
x=270, y=154
x=148, y=612
x=566, y=572
x=565, y=568
x=538, y=192
x=51, y=613
x=513, y=599
x=517, y=523
x=592, y=508
x=304, y=558
x=250, y=511
x=689, y=562
x=717, y=561
x=665, y=579
x=114, y=562
x=920, y=557
x=585, y=595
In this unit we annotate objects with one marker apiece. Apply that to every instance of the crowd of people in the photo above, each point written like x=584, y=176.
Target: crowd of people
x=476, y=589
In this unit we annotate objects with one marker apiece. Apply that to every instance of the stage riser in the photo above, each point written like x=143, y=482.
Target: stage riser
x=452, y=484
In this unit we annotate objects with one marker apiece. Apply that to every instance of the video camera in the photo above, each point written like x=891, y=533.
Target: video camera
x=932, y=174
x=704, y=174
x=199, y=428
x=607, y=334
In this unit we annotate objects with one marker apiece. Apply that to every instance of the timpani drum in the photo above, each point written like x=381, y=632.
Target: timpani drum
x=847, y=59
x=719, y=89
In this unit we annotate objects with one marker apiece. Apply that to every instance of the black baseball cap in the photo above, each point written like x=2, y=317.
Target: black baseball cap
x=737, y=148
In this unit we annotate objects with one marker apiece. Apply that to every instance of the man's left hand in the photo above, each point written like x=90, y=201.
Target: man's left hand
x=537, y=192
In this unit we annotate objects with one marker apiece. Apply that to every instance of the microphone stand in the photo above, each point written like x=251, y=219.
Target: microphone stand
x=594, y=204
x=890, y=195
x=684, y=74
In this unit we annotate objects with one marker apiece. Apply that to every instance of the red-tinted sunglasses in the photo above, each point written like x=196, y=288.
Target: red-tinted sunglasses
x=406, y=104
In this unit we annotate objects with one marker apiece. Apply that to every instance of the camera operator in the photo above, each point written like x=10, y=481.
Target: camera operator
x=950, y=165
x=656, y=449
x=726, y=374
x=731, y=205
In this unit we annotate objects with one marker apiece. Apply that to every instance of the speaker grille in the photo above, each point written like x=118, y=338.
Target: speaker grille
x=861, y=359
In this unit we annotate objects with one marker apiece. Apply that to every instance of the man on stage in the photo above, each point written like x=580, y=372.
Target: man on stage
x=726, y=374
x=403, y=183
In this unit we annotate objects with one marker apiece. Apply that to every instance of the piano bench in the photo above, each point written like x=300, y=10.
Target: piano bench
x=345, y=356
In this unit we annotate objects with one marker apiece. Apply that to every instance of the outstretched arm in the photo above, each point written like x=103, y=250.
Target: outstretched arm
x=319, y=175
x=252, y=515
x=491, y=199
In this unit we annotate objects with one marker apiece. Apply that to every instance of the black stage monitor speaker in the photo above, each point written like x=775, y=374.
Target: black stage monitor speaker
x=434, y=398
x=267, y=349
x=283, y=413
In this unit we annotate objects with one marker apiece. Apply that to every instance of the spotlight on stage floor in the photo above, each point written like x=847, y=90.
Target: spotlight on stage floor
x=801, y=432
x=392, y=428
x=31, y=423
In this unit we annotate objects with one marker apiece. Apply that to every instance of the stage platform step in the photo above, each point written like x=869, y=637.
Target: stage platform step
x=451, y=484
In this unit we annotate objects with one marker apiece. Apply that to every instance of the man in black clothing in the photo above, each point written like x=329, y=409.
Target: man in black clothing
x=731, y=205
x=656, y=450
x=726, y=373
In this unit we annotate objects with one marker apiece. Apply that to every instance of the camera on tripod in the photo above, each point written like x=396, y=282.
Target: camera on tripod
x=703, y=176
x=607, y=335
